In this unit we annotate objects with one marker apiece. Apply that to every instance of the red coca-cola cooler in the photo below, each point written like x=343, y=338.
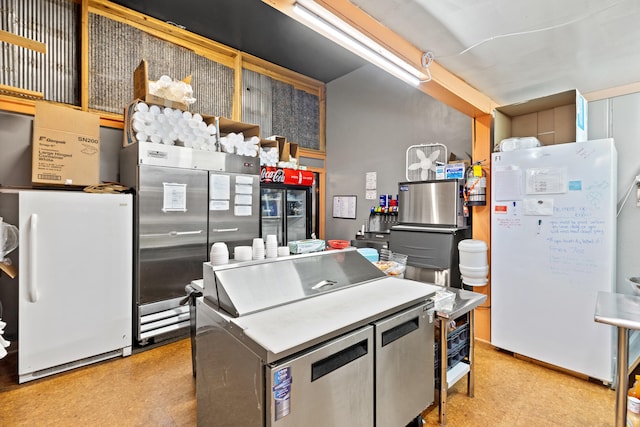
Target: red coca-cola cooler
x=288, y=203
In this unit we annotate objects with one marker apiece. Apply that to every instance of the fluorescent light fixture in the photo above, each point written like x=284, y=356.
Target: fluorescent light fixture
x=348, y=37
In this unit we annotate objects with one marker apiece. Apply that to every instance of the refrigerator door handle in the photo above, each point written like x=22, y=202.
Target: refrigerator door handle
x=185, y=233
x=172, y=233
x=224, y=230
x=33, y=262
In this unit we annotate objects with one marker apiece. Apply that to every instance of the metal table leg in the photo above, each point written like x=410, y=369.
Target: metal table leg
x=623, y=377
x=192, y=295
x=443, y=371
x=470, y=375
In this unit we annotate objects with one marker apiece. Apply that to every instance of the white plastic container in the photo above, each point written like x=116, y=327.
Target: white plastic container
x=474, y=271
x=474, y=267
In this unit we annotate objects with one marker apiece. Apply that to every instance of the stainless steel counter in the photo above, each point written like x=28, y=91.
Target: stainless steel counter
x=354, y=342
x=622, y=311
x=465, y=303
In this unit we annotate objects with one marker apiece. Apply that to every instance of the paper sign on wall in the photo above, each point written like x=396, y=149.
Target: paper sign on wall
x=371, y=180
x=508, y=184
x=242, y=210
x=546, y=181
x=538, y=206
x=174, y=198
x=218, y=205
x=243, y=179
x=219, y=187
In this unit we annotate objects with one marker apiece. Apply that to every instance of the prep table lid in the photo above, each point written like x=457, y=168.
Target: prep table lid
x=243, y=288
x=290, y=328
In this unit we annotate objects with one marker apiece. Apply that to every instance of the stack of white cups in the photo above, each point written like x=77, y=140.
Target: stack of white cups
x=283, y=251
x=242, y=253
x=272, y=246
x=219, y=254
x=258, y=248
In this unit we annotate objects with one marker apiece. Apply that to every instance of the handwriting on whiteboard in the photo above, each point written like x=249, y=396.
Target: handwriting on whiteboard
x=575, y=245
x=508, y=223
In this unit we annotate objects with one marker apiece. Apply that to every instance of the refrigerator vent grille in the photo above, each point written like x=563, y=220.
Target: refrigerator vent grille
x=422, y=160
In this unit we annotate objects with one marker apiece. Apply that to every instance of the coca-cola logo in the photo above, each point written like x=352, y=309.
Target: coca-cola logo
x=273, y=175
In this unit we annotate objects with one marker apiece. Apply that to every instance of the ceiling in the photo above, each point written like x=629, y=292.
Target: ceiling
x=510, y=50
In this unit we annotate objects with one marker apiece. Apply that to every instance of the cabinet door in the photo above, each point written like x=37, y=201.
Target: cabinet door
x=233, y=208
x=404, y=355
x=272, y=208
x=75, y=277
x=172, y=221
x=330, y=386
x=297, y=214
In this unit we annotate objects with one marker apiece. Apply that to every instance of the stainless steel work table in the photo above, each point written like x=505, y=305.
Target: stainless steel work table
x=622, y=311
x=465, y=303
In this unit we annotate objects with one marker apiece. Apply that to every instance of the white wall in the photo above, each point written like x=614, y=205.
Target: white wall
x=372, y=118
x=619, y=118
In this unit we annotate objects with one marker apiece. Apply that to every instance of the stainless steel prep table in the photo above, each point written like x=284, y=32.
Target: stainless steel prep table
x=465, y=303
x=285, y=330
x=324, y=337
x=622, y=311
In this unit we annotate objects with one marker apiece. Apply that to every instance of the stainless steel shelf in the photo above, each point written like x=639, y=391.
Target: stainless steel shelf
x=464, y=304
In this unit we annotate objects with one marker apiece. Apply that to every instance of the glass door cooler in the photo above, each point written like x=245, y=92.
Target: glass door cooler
x=288, y=211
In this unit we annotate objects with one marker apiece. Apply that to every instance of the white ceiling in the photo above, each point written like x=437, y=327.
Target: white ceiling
x=515, y=50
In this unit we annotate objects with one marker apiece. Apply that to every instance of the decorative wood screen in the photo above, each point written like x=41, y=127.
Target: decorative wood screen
x=116, y=49
x=281, y=109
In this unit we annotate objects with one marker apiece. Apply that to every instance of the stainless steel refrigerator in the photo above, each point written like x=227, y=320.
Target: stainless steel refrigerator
x=289, y=212
x=185, y=201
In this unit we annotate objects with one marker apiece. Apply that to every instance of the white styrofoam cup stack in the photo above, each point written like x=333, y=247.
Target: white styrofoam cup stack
x=219, y=253
x=271, y=246
x=258, y=248
x=243, y=253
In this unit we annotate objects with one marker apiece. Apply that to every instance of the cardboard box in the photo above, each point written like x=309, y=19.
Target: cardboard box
x=231, y=126
x=283, y=147
x=554, y=119
x=278, y=138
x=293, y=150
x=288, y=150
x=141, y=89
x=267, y=143
x=285, y=152
x=66, y=146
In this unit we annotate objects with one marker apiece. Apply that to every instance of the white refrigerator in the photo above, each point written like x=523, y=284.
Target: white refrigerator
x=553, y=241
x=75, y=280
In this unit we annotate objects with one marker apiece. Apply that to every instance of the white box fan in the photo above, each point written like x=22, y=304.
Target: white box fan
x=422, y=160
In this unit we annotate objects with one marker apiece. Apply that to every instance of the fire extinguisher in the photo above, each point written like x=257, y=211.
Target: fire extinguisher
x=475, y=187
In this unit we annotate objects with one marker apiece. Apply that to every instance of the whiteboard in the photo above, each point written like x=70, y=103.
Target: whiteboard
x=552, y=250
x=344, y=207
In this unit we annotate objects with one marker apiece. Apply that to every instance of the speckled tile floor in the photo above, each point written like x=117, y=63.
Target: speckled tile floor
x=156, y=388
